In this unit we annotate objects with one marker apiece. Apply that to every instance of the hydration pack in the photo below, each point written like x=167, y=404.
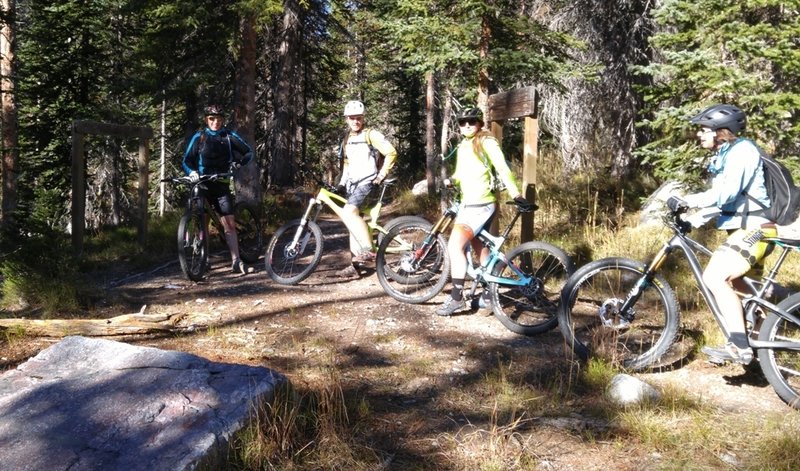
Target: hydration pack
x=784, y=196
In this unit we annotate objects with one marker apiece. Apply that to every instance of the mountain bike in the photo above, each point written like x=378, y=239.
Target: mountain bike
x=295, y=250
x=524, y=284
x=194, y=232
x=624, y=311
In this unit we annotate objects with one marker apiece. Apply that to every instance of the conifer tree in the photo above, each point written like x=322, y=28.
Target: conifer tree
x=708, y=51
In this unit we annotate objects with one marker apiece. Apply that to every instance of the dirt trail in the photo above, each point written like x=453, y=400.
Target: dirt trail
x=409, y=365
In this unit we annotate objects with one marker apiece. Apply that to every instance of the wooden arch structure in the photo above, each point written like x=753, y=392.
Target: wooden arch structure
x=79, y=131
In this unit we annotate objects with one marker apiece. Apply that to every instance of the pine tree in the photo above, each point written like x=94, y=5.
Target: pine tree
x=708, y=51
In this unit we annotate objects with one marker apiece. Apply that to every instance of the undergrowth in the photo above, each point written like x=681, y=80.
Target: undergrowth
x=324, y=423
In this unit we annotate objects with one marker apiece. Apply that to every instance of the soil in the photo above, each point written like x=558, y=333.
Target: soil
x=423, y=377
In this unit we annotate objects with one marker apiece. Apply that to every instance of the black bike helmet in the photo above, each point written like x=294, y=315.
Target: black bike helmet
x=721, y=116
x=214, y=110
x=471, y=113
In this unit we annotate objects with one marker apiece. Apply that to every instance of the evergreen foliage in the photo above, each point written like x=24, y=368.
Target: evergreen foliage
x=711, y=51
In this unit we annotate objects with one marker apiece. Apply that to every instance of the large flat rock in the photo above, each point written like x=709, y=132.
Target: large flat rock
x=89, y=404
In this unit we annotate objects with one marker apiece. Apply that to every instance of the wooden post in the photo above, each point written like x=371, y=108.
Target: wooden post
x=497, y=132
x=518, y=103
x=79, y=130
x=78, y=191
x=144, y=158
x=530, y=150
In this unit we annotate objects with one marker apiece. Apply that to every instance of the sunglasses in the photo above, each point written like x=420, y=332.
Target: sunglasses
x=470, y=122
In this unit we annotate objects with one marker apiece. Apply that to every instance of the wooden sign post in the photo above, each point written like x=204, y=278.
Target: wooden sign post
x=79, y=130
x=520, y=103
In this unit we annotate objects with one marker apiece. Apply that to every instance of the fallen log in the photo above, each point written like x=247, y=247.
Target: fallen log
x=126, y=324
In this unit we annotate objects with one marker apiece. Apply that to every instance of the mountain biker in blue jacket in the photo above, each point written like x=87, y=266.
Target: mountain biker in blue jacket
x=214, y=150
x=735, y=168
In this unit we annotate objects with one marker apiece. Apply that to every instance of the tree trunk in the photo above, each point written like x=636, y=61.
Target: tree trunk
x=10, y=153
x=483, y=74
x=430, y=134
x=282, y=163
x=445, y=137
x=162, y=158
x=247, y=181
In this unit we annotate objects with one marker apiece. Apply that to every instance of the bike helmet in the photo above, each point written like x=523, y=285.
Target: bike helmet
x=213, y=110
x=721, y=116
x=353, y=108
x=471, y=113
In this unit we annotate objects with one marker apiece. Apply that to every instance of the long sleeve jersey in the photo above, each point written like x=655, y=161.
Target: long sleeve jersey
x=735, y=168
x=212, y=152
x=359, y=165
x=473, y=176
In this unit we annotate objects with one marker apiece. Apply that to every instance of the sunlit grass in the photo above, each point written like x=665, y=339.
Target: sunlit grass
x=307, y=427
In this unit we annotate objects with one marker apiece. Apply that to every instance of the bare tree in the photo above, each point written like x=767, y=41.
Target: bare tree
x=430, y=133
x=247, y=181
x=483, y=74
x=9, y=172
x=594, y=120
x=282, y=165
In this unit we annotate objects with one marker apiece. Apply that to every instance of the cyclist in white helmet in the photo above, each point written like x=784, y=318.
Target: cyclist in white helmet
x=362, y=170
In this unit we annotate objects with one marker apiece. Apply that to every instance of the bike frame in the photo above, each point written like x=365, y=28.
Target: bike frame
x=751, y=301
x=480, y=273
x=333, y=201
x=483, y=272
x=196, y=202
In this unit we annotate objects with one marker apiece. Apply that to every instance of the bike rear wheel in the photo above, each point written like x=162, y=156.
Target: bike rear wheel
x=193, y=245
x=248, y=228
x=408, y=269
x=531, y=309
x=287, y=263
x=781, y=367
x=589, y=315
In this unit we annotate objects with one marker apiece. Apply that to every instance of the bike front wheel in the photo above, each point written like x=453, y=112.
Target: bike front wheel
x=591, y=320
x=781, y=366
x=248, y=228
x=289, y=263
x=404, y=220
x=411, y=266
x=193, y=246
x=533, y=308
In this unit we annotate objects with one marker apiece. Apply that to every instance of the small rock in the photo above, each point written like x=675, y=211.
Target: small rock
x=626, y=390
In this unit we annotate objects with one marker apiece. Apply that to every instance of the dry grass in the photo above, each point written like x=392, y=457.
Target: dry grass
x=496, y=416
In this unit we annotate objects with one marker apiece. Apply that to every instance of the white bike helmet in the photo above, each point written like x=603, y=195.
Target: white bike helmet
x=353, y=108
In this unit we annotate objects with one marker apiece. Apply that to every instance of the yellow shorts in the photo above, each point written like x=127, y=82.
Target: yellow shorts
x=749, y=246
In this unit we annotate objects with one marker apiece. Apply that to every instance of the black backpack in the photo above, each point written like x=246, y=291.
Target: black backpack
x=784, y=196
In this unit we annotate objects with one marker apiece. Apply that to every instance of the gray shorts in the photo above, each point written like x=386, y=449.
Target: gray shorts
x=476, y=217
x=357, y=195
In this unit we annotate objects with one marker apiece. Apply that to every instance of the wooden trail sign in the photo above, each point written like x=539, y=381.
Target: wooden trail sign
x=520, y=103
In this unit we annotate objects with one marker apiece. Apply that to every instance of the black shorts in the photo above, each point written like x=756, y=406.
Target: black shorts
x=218, y=194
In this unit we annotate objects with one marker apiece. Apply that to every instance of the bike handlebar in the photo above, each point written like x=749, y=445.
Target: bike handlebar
x=185, y=180
x=674, y=219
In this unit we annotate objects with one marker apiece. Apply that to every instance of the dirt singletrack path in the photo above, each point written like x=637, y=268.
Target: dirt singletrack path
x=409, y=365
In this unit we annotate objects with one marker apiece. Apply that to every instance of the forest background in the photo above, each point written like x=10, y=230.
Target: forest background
x=617, y=80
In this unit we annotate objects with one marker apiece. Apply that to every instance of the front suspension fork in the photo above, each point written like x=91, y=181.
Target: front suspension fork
x=314, y=206
x=626, y=310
